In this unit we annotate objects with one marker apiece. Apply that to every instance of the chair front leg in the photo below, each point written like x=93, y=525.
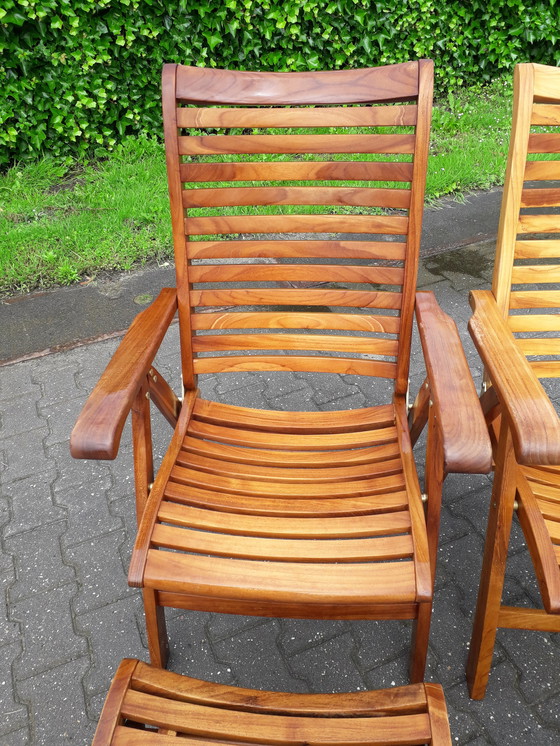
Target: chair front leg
x=434, y=483
x=493, y=565
x=142, y=447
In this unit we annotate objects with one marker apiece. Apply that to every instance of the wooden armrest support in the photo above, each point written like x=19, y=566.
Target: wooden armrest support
x=97, y=432
x=534, y=422
x=465, y=440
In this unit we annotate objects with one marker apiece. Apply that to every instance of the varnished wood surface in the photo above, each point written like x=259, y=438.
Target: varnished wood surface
x=97, y=432
x=534, y=422
x=393, y=82
x=465, y=442
x=203, y=713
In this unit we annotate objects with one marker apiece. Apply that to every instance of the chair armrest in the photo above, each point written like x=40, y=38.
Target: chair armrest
x=97, y=432
x=533, y=419
x=465, y=440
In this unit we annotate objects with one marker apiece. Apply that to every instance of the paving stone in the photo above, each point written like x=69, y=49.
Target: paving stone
x=39, y=563
x=380, y=641
x=20, y=415
x=57, y=706
x=15, y=380
x=231, y=381
x=549, y=711
x=9, y=630
x=354, y=401
x=391, y=673
x=250, y=396
x=87, y=514
x=219, y=626
x=49, y=636
x=506, y=715
x=17, y=738
x=73, y=472
x=467, y=719
x=100, y=572
x=329, y=667
x=112, y=632
x=449, y=638
x=376, y=391
x=31, y=501
x=256, y=661
x=59, y=387
x=536, y=659
x=298, y=401
x=61, y=418
x=22, y=453
x=191, y=652
x=13, y=714
x=281, y=384
x=302, y=634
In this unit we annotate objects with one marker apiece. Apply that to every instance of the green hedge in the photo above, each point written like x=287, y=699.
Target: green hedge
x=79, y=74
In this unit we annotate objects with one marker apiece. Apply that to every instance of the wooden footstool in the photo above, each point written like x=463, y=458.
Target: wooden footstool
x=147, y=706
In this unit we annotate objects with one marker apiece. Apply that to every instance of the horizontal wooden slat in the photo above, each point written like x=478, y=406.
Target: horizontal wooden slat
x=220, y=144
x=325, y=116
x=537, y=249
x=315, y=342
x=284, y=507
x=300, y=459
x=535, y=346
x=534, y=323
x=297, y=171
x=338, y=273
x=296, y=297
x=545, y=368
x=360, y=526
x=546, y=142
x=271, y=421
x=293, y=364
x=239, y=727
x=290, y=441
x=542, y=170
x=282, y=550
x=244, y=486
x=539, y=224
x=535, y=299
x=383, y=582
x=361, y=197
x=279, y=320
x=546, y=80
x=540, y=197
x=279, y=474
x=538, y=273
x=368, y=85
x=554, y=530
x=545, y=114
x=405, y=699
x=390, y=224
x=286, y=248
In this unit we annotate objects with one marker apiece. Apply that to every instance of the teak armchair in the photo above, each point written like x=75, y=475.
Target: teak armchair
x=515, y=328
x=302, y=514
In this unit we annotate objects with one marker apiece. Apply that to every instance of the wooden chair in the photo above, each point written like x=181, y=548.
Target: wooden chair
x=303, y=514
x=148, y=706
x=511, y=327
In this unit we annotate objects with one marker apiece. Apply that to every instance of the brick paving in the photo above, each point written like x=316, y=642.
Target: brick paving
x=68, y=616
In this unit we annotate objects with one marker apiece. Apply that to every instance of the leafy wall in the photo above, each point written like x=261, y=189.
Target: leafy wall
x=78, y=74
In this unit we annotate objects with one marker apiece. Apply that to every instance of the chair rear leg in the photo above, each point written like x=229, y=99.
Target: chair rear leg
x=420, y=638
x=158, y=644
x=493, y=567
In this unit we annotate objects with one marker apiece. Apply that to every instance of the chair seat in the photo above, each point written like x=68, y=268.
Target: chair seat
x=278, y=510
x=539, y=515
x=147, y=706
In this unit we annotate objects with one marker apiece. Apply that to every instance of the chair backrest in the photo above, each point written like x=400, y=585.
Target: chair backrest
x=328, y=285
x=527, y=273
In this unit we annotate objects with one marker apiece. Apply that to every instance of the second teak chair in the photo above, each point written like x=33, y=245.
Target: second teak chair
x=515, y=328
x=314, y=515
